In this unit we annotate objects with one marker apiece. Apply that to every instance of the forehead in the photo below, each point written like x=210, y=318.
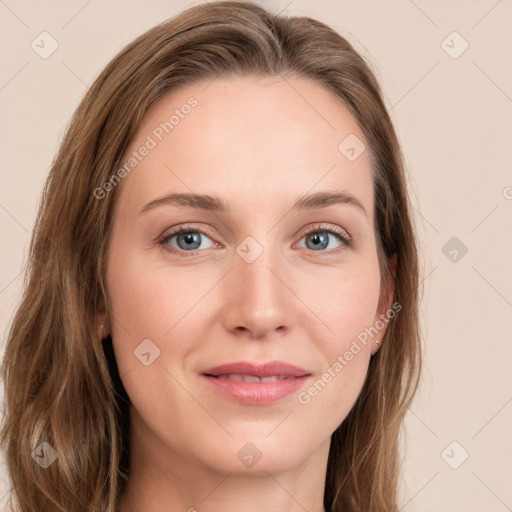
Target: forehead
x=261, y=139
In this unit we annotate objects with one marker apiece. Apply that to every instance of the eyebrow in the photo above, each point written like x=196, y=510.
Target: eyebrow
x=214, y=204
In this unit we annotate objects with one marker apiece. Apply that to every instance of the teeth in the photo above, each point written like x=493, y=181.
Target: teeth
x=253, y=378
x=244, y=378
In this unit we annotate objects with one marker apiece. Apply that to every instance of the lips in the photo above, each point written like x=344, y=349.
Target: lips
x=256, y=384
x=253, y=378
x=271, y=369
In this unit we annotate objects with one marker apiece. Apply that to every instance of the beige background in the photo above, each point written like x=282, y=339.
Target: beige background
x=454, y=119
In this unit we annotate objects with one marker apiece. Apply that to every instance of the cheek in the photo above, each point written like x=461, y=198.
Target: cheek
x=347, y=306
x=353, y=310
x=152, y=313
x=150, y=300
x=155, y=311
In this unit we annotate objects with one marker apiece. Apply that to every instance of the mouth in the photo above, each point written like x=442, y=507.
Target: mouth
x=251, y=378
x=256, y=384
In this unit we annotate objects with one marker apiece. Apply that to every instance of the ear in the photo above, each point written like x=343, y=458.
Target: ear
x=103, y=327
x=385, y=303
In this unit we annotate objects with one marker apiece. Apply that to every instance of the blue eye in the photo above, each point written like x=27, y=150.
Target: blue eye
x=187, y=239
x=318, y=239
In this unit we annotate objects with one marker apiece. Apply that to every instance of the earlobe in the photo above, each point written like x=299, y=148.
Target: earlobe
x=103, y=323
x=104, y=331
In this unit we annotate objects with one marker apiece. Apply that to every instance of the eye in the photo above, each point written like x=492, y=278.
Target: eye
x=322, y=237
x=188, y=239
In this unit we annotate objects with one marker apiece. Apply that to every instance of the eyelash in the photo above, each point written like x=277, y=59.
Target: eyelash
x=318, y=228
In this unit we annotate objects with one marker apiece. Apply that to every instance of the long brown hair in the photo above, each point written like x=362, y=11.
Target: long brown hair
x=61, y=383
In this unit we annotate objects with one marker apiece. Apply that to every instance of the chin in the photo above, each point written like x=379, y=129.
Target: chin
x=258, y=456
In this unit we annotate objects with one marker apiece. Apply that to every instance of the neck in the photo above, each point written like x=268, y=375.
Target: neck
x=162, y=480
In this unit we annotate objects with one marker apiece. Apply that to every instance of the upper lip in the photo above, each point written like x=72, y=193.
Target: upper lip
x=258, y=370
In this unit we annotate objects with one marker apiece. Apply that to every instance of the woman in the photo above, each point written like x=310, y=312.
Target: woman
x=268, y=368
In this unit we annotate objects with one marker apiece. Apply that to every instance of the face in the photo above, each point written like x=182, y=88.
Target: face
x=284, y=279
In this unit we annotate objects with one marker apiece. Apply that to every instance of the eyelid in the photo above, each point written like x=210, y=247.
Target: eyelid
x=172, y=232
x=329, y=228
x=332, y=229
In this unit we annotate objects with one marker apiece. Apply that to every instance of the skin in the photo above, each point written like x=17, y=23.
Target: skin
x=259, y=144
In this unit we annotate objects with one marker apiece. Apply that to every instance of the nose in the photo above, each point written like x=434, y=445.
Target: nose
x=258, y=300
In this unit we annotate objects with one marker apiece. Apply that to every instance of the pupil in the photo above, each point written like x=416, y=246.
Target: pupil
x=192, y=238
x=319, y=239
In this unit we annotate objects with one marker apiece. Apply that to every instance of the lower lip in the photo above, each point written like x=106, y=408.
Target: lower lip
x=257, y=393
